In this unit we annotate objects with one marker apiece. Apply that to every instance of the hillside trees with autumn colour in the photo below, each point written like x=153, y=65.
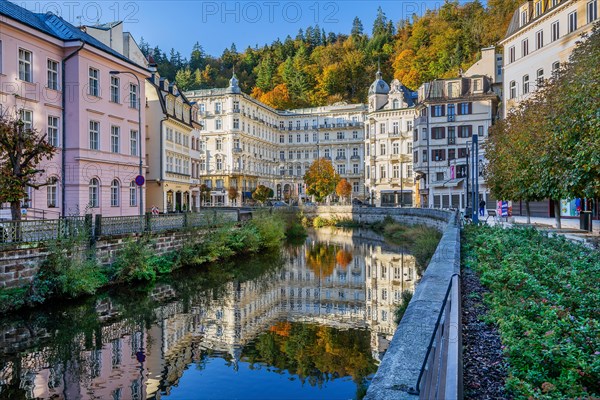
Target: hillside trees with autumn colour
x=313, y=68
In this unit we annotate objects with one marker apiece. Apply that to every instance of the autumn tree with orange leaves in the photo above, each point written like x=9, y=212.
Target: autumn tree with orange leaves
x=321, y=179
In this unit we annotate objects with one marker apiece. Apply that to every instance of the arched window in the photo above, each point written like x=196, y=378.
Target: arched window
x=114, y=193
x=94, y=190
x=525, y=84
x=132, y=194
x=52, y=191
x=513, y=89
x=395, y=104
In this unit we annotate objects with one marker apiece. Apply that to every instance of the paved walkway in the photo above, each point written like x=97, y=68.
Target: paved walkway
x=569, y=228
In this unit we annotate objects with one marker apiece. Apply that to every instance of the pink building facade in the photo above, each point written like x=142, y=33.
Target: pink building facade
x=58, y=78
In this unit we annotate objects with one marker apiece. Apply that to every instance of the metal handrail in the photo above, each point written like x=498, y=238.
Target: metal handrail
x=417, y=390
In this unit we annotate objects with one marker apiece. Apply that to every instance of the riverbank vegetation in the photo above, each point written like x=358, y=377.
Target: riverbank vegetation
x=72, y=270
x=544, y=296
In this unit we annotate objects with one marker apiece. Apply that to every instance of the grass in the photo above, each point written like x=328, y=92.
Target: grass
x=544, y=296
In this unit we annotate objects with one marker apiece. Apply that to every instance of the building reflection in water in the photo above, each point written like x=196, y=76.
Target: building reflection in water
x=335, y=279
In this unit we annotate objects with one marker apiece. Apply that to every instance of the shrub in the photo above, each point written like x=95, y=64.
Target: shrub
x=544, y=296
x=319, y=222
x=400, y=309
x=271, y=228
x=12, y=299
x=132, y=263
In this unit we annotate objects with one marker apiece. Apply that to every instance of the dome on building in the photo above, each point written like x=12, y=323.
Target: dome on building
x=379, y=86
x=234, y=84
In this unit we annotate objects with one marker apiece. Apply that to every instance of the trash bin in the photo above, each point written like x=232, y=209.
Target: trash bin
x=585, y=221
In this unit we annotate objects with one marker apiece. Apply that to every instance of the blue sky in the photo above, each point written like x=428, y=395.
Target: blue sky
x=217, y=24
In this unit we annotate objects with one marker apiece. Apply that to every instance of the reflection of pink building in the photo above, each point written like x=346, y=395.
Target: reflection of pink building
x=95, y=125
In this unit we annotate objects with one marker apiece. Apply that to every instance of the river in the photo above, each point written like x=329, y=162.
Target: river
x=309, y=322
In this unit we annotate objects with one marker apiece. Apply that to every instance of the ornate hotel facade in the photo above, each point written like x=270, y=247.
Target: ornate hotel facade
x=245, y=143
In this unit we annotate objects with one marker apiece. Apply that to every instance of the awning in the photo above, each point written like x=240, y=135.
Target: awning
x=448, y=183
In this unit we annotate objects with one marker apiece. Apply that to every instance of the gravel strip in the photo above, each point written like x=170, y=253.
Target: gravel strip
x=484, y=365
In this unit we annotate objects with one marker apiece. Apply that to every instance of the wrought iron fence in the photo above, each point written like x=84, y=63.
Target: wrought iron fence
x=29, y=231
x=32, y=231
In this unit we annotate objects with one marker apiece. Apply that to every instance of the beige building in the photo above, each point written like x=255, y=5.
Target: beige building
x=245, y=143
x=542, y=34
x=450, y=112
x=172, y=125
x=389, y=177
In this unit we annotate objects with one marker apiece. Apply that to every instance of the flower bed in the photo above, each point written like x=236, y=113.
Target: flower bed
x=545, y=298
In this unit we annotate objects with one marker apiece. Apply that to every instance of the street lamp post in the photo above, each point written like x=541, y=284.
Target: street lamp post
x=139, y=107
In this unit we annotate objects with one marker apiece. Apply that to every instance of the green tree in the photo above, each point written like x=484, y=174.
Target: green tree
x=21, y=151
x=321, y=179
x=357, y=27
x=261, y=193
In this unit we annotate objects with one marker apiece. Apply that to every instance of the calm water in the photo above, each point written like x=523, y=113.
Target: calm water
x=311, y=322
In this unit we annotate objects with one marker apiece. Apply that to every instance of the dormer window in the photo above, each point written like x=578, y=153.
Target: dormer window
x=477, y=85
x=538, y=8
x=523, y=18
x=395, y=104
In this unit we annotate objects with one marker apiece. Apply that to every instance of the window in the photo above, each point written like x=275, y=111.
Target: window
x=51, y=192
x=382, y=128
x=27, y=119
x=462, y=152
x=465, y=131
x=395, y=104
x=114, y=138
x=218, y=124
x=291, y=154
x=524, y=47
x=355, y=168
x=25, y=68
x=523, y=18
x=93, y=82
x=409, y=170
x=438, y=155
x=513, y=89
x=114, y=193
x=438, y=111
x=115, y=95
x=93, y=190
x=540, y=76
x=465, y=108
x=573, y=21
x=555, y=29
x=53, y=131
x=395, y=148
x=538, y=8
x=94, y=135
x=451, y=135
x=340, y=135
x=0, y=55
x=539, y=40
x=525, y=84
x=133, y=143
x=451, y=154
x=438, y=132
x=395, y=171
x=327, y=153
x=219, y=144
x=511, y=54
x=555, y=67
x=382, y=149
x=355, y=187
x=341, y=169
x=592, y=11
x=133, y=96
x=218, y=108
x=382, y=172
x=132, y=194
x=236, y=123
x=416, y=157
x=52, y=74
x=424, y=155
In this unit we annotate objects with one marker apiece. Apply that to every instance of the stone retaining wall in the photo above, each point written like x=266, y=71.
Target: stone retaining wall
x=20, y=263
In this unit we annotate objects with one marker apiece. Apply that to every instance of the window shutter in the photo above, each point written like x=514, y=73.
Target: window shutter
x=443, y=110
x=470, y=108
x=443, y=133
x=470, y=129
x=459, y=106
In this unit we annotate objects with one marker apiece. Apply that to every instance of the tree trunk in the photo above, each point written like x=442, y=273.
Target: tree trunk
x=15, y=210
x=528, y=212
x=557, y=214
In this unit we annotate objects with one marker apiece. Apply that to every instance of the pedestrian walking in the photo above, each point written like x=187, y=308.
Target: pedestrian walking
x=482, y=208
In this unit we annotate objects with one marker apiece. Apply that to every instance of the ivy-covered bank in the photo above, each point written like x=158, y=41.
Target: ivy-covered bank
x=72, y=270
x=543, y=296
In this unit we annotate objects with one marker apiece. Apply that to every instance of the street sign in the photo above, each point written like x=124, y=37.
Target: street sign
x=139, y=180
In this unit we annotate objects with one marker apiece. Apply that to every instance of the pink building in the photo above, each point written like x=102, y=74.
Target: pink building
x=58, y=77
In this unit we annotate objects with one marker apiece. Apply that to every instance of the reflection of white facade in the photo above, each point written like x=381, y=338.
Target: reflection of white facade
x=136, y=362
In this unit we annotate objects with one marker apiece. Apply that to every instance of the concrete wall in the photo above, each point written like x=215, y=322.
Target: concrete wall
x=434, y=218
x=401, y=365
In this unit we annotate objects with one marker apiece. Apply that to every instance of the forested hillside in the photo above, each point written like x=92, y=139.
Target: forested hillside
x=316, y=68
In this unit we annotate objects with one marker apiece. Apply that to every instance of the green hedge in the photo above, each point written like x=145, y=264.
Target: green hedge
x=545, y=298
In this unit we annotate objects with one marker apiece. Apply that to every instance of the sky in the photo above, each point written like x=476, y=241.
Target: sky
x=217, y=24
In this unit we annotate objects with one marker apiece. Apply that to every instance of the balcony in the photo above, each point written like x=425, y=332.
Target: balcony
x=218, y=112
x=236, y=110
x=355, y=158
x=237, y=149
x=340, y=158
